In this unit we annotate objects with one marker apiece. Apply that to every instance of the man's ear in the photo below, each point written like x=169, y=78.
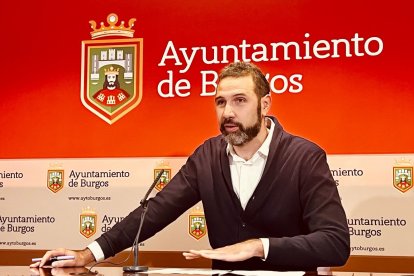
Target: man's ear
x=266, y=103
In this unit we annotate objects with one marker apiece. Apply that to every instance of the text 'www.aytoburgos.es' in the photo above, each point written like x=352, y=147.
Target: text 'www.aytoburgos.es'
x=367, y=248
x=15, y=243
x=89, y=198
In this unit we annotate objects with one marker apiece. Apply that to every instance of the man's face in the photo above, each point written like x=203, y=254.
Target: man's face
x=238, y=110
x=111, y=78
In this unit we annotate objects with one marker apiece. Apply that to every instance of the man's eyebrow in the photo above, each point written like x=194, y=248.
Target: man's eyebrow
x=233, y=96
x=239, y=94
x=218, y=98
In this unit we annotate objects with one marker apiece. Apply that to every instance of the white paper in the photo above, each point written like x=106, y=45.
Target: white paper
x=267, y=273
x=200, y=271
x=221, y=272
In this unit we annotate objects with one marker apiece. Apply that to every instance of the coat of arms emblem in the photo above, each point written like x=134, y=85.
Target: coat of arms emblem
x=88, y=220
x=165, y=177
x=403, y=175
x=111, y=78
x=197, y=227
x=55, y=178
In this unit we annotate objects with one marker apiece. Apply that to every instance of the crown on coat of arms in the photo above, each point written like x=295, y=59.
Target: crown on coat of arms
x=55, y=165
x=402, y=161
x=111, y=71
x=88, y=211
x=113, y=29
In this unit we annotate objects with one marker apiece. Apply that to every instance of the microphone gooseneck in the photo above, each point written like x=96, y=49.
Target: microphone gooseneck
x=144, y=204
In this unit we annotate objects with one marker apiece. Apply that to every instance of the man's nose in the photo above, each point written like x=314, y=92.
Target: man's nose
x=228, y=111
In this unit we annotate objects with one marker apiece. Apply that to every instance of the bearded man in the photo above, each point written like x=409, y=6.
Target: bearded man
x=269, y=198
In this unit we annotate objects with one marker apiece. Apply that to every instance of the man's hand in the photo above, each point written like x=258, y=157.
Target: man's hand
x=82, y=258
x=232, y=253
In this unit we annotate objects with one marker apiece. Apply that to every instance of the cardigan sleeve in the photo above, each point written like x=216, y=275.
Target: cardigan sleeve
x=176, y=197
x=327, y=242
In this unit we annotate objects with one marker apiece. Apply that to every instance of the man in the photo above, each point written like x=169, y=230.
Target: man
x=111, y=94
x=269, y=198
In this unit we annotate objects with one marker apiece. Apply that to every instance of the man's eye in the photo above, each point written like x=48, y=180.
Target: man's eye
x=240, y=100
x=220, y=103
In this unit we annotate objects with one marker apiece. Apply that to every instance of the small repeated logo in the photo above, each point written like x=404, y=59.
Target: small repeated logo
x=111, y=84
x=197, y=227
x=403, y=175
x=88, y=220
x=55, y=178
x=165, y=177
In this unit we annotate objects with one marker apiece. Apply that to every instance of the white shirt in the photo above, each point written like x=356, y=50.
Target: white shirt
x=245, y=175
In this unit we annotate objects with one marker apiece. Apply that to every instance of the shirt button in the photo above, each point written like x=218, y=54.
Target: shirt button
x=243, y=224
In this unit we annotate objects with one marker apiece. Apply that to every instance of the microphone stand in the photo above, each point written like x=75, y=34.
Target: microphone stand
x=144, y=204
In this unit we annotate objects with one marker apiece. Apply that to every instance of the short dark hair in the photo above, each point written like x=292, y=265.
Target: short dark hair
x=242, y=69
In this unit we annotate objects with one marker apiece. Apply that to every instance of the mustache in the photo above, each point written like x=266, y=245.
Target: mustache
x=230, y=121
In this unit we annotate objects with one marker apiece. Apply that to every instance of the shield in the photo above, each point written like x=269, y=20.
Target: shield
x=111, y=77
x=55, y=180
x=164, y=179
x=403, y=178
x=197, y=227
x=88, y=221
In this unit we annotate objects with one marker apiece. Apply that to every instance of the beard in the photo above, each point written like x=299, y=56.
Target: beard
x=243, y=134
x=111, y=85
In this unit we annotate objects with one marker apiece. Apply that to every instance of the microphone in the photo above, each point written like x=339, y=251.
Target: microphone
x=144, y=204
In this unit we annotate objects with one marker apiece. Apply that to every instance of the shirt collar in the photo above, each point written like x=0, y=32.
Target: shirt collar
x=264, y=148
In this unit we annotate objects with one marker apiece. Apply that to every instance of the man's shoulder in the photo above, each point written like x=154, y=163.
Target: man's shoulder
x=299, y=143
x=213, y=145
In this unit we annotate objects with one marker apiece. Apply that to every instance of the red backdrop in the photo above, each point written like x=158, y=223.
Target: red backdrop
x=347, y=105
